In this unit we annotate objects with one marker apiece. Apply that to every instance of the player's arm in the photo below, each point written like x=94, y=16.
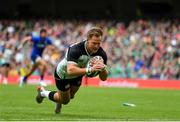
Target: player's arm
x=104, y=72
x=24, y=41
x=72, y=61
x=49, y=48
x=73, y=69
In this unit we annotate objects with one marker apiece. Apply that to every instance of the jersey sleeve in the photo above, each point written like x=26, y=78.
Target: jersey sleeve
x=49, y=41
x=34, y=39
x=104, y=56
x=73, y=55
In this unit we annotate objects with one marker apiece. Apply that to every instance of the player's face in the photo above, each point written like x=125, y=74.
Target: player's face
x=43, y=34
x=94, y=44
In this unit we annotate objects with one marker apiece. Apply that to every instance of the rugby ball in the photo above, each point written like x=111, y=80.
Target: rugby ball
x=90, y=63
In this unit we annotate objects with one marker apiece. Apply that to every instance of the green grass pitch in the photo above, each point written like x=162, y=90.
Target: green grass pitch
x=91, y=104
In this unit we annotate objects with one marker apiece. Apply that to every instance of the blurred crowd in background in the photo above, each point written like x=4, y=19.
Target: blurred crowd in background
x=142, y=49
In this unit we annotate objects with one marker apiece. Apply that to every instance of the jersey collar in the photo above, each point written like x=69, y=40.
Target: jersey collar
x=85, y=46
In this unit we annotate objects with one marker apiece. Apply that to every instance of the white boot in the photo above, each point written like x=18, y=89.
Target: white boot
x=42, y=83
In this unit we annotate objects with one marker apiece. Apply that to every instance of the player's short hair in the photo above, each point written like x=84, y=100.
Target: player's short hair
x=95, y=31
x=43, y=30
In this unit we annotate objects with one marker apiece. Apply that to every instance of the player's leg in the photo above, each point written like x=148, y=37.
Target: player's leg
x=4, y=72
x=32, y=69
x=67, y=92
x=42, y=69
x=75, y=85
x=36, y=62
x=55, y=96
x=64, y=93
x=65, y=96
x=23, y=79
x=59, y=97
x=73, y=90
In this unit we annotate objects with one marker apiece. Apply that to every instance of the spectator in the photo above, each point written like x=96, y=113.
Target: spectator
x=143, y=49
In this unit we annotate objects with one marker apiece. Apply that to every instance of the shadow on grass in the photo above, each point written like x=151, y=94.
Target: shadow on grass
x=85, y=116
x=55, y=117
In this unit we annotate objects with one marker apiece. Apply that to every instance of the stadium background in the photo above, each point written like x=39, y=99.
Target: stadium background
x=141, y=37
x=124, y=10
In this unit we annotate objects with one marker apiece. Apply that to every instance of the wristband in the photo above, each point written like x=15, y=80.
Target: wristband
x=104, y=69
x=88, y=70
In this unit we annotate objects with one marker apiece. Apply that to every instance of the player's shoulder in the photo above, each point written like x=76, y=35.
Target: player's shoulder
x=79, y=44
x=35, y=37
x=48, y=38
x=77, y=47
x=101, y=52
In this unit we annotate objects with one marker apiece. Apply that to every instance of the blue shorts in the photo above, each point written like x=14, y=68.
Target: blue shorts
x=35, y=57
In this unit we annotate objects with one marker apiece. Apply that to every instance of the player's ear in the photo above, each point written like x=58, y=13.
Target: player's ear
x=87, y=41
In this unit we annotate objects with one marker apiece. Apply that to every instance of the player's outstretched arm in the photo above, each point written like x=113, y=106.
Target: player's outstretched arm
x=24, y=41
x=51, y=47
x=73, y=69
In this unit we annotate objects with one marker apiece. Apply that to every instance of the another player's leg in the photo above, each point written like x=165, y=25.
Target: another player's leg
x=42, y=69
x=4, y=73
x=24, y=78
x=36, y=62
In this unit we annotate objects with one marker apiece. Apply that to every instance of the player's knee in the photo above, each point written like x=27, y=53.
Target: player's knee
x=72, y=96
x=65, y=102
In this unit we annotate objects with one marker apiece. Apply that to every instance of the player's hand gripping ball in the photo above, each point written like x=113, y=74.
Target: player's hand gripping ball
x=91, y=63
